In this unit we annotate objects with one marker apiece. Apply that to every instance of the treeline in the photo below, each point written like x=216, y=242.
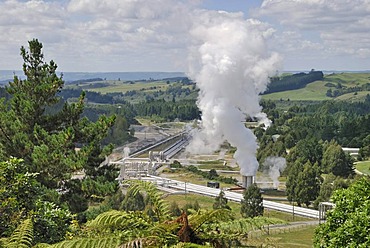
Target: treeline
x=292, y=82
x=171, y=110
x=82, y=81
x=310, y=138
x=338, y=90
x=92, y=96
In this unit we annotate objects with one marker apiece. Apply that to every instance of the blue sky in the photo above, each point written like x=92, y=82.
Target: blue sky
x=142, y=35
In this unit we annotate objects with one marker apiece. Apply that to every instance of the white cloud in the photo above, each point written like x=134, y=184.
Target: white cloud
x=326, y=27
x=109, y=34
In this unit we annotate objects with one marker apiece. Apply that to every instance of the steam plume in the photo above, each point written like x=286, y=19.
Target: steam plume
x=275, y=166
x=230, y=64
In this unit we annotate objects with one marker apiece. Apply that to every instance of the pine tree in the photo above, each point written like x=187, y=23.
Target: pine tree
x=46, y=136
x=251, y=204
x=221, y=201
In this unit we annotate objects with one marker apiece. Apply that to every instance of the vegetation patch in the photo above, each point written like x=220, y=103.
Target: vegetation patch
x=363, y=166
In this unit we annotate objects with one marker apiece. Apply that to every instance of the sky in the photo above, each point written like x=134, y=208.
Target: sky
x=153, y=35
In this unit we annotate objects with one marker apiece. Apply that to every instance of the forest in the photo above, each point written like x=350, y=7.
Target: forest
x=48, y=133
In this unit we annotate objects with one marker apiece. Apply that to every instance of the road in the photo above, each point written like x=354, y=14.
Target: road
x=232, y=196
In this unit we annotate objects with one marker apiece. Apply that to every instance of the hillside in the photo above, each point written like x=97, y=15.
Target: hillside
x=348, y=86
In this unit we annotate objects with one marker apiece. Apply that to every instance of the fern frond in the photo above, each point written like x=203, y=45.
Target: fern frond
x=189, y=245
x=160, y=207
x=41, y=245
x=22, y=236
x=209, y=216
x=140, y=243
x=120, y=220
x=111, y=242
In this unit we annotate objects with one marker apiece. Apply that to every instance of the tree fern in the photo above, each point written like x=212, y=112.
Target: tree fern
x=209, y=216
x=159, y=206
x=110, y=242
x=22, y=236
x=120, y=220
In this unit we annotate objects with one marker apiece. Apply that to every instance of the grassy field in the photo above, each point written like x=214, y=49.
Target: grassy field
x=352, y=97
x=316, y=91
x=118, y=86
x=312, y=92
x=206, y=202
x=348, y=79
x=363, y=166
x=303, y=237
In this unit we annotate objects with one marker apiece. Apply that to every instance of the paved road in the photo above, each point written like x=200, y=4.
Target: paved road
x=232, y=196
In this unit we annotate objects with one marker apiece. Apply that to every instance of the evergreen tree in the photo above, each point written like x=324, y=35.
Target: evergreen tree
x=221, y=201
x=53, y=141
x=251, y=204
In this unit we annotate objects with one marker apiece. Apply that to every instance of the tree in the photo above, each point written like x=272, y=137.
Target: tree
x=303, y=183
x=50, y=136
x=204, y=228
x=292, y=180
x=251, y=204
x=336, y=161
x=221, y=201
x=21, y=198
x=308, y=184
x=348, y=224
x=18, y=194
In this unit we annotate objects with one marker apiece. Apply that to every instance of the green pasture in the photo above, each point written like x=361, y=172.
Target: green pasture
x=353, y=97
x=348, y=79
x=117, y=86
x=312, y=92
x=302, y=237
x=316, y=91
x=206, y=202
x=363, y=166
x=121, y=86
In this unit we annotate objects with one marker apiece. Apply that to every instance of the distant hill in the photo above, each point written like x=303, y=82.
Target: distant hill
x=292, y=82
x=338, y=86
x=7, y=75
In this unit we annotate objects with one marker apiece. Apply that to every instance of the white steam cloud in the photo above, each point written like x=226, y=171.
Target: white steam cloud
x=275, y=166
x=230, y=64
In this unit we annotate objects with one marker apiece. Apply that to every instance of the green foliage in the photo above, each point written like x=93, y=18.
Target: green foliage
x=22, y=237
x=182, y=110
x=133, y=202
x=308, y=184
x=330, y=184
x=336, y=161
x=348, y=224
x=154, y=200
x=221, y=201
x=120, y=220
x=51, y=223
x=303, y=183
x=294, y=81
x=174, y=209
x=36, y=128
x=251, y=204
x=18, y=192
x=176, y=164
x=109, y=242
x=211, y=175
